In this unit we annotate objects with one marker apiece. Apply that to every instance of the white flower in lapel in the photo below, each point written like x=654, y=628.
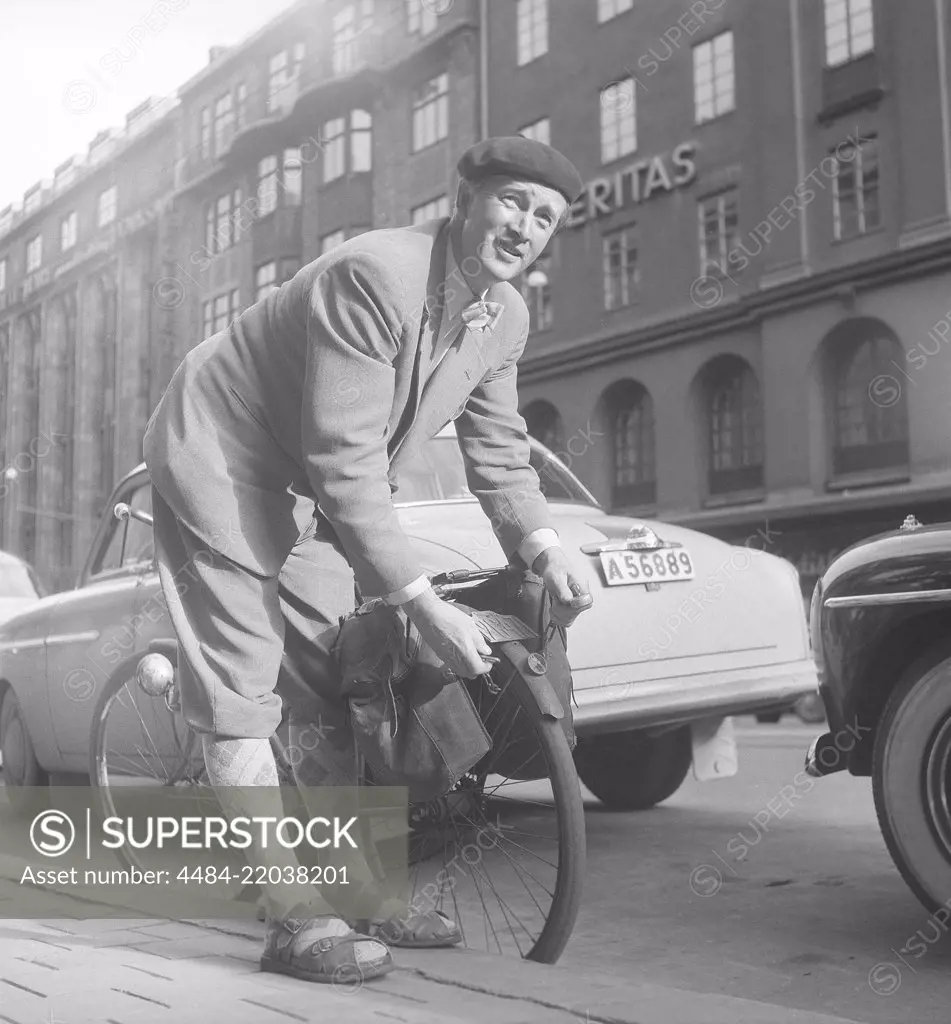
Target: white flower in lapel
x=481, y=315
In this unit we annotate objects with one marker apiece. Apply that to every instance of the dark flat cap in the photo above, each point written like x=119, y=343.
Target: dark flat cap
x=522, y=158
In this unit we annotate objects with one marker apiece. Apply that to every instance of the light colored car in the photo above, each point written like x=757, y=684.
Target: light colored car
x=20, y=587
x=686, y=630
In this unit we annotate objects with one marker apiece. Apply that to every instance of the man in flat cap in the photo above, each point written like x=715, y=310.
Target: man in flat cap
x=273, y=455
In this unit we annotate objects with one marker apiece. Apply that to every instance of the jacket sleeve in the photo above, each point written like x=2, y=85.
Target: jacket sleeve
x=494, y=443
x=355, y=326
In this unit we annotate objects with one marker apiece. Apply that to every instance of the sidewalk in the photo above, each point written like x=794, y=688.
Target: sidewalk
x=133, y=971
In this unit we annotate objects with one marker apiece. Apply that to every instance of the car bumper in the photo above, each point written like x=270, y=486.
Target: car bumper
x=680, y=700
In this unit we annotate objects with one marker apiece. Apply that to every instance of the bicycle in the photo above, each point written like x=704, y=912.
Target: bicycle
x=503, y=852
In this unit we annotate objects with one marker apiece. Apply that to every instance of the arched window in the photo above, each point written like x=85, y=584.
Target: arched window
x=869, y=406
x=630, y=413
x=544, y=424
x=734, y=426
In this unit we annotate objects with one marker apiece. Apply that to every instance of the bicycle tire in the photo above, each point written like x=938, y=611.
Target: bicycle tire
x=566, y=792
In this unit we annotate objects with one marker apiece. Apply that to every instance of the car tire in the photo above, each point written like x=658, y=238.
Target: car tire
x=633, y=771
x=911, y=785
x=769, y=717
x=21, y=770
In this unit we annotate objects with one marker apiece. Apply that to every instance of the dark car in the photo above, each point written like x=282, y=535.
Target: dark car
x=881, y=636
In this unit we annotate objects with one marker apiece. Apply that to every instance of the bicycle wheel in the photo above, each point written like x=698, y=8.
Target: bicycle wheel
x=503, y=853
x=139, y=740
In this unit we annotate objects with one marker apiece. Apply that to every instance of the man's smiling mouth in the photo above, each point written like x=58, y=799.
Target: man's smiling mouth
x=509, y=249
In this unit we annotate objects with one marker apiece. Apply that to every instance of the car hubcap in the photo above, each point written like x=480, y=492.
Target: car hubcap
x=937, y=777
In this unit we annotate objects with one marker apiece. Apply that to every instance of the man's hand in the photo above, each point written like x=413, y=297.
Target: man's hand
x=570, y=595
x=452, y=634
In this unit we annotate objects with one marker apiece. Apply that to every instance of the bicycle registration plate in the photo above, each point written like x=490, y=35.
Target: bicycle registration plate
x=664, y=565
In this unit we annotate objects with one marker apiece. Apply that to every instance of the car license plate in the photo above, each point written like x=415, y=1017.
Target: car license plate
x=666, y=565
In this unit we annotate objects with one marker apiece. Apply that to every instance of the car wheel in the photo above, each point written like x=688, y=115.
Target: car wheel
x=911, y=781
x=632, y=771
x=769, y=717
x=20, y=766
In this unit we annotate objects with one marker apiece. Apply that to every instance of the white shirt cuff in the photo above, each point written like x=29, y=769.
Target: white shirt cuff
x=535, y=543
x=411, y=590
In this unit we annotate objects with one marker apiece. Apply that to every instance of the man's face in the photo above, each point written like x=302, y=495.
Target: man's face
x=508, y=224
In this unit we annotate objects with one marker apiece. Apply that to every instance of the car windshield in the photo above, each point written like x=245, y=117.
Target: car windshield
x=17, y=579
x=437, y=473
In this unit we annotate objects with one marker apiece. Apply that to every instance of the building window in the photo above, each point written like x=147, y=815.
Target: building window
x=67, y=232
x=538, y=131
x=608, y=9
x=205, y=132
x=621, y=273
x=543, y=422
x=34, y=253
x=224, y=122
x=630, y=411
x=713, y=78
x=334, y=138
x=107, y=207
x=734, y=420
x=870, y=432
x=537, y=293
x=849, y=30
x=221, y=228
x=718, y=218
x=422, y=15
x=3, y=275
x=332, y=240
x=618, y=120
x=241, y=105
x=429, y=211
x=292, y=177
x=265, y=280
x=856, y=207
x=431, y=112
x=219, y=312
x=283, y=72
x=361, y=141
x=532, y=30
x=348, y=24
x=267, y=186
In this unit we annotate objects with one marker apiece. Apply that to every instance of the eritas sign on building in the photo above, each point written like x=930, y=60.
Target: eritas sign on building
x=635, y=183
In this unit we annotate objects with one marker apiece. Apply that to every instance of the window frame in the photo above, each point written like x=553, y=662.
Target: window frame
x=866, y=160
x=531, y=31
x=617, y=119
x=716, y=76
x=430, y=112
x=848, y=9
x=726, y=241
x=630, y=295
x=744, y=475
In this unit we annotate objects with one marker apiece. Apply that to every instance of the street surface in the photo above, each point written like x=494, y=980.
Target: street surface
x=768, y=886
x=802, y=920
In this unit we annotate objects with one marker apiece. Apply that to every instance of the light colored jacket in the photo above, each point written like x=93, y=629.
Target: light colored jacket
x=320, y=391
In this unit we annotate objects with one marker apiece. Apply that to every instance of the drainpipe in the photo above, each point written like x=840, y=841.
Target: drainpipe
x=941, y=28
x=483, y=69
x=795, y=36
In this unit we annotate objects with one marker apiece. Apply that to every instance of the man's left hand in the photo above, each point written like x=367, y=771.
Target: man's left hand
x=570, y=595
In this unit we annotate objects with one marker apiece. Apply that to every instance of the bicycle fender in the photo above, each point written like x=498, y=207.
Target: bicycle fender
x=540, y=688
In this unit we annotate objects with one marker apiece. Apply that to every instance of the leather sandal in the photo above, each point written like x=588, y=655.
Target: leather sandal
x=418, y=930
x=294, y=946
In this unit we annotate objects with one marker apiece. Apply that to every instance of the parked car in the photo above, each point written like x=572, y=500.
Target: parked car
x=20, y=586
x=686, y=630
x=881, y=632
